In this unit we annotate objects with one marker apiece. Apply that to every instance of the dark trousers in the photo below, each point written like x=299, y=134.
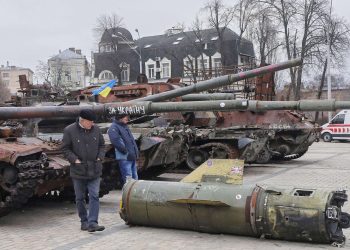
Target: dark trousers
x=93, y=188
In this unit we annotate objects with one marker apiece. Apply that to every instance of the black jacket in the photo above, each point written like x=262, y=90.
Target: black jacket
x=123, y=140
x=87, y=146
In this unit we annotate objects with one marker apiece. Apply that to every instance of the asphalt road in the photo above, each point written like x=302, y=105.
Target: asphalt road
x=43, y=224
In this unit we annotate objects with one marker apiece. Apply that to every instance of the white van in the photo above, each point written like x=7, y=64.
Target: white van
x=338, y=128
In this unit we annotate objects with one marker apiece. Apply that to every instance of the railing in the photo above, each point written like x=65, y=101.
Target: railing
x=243, y=89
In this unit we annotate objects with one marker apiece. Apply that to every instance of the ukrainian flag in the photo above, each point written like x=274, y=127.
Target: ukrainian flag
x=104, y=89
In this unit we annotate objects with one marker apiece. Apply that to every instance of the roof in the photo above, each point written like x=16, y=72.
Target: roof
x=185, y=42
x=67, y=54
x=14, y=68
x=122, y=34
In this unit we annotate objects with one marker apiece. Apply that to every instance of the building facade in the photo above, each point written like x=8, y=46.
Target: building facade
x=69, y=69
x=173, y=54
x=9, y=77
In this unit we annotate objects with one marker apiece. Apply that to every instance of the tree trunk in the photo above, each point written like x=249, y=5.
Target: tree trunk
x=319, y=92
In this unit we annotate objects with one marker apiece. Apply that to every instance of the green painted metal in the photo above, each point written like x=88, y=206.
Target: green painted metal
x=221, y=81
x=278, y=213
x=208, y=97
x=142, y=108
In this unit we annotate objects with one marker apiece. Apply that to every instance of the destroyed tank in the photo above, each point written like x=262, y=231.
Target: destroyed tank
x=35, y=166
x=161, y=147
x=256, y=137
x=38, y=167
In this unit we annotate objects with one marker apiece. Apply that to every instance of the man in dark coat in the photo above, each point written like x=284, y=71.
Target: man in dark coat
x=126, y=150
x=83, y=146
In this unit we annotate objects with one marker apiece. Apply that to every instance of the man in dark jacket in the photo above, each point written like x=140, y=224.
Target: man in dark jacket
x=83, y=146
x=126, y=150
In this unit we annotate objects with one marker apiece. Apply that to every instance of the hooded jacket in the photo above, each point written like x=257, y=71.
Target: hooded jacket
x=87, y=145
x=123, y=141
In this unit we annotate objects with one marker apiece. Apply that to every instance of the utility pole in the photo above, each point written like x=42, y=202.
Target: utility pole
x=329, y=77
x=140, y=54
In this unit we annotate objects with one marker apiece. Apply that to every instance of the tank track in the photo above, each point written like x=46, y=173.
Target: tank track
x=289, y=157
x=29, y=176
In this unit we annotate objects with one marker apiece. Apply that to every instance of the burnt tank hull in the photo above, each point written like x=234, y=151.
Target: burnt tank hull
x=35, y=167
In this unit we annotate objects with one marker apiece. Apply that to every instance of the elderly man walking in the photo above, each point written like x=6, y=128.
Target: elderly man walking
x=83, y=146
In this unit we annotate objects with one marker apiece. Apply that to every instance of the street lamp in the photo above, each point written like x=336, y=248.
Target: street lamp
x=133, y=48
x=329, y=76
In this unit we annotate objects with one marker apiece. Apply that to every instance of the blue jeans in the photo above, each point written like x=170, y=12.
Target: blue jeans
x=93, y=188
x=128, y=168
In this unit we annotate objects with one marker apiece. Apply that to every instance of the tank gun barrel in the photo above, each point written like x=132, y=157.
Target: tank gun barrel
x=142, y=108
x=208, y=97
x=220, y=81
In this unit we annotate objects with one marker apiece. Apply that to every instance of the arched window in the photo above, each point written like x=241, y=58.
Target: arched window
x=106, y=75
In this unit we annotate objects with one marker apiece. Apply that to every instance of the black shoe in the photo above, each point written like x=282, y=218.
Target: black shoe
x=94, y=228
x=84, y=226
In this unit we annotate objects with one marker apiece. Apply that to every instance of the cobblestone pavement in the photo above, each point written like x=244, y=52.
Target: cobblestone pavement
x=55, y=225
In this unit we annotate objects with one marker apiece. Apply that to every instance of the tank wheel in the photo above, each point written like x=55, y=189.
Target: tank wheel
x=196, y=157
x=216, y=150
x=327, y=137
x=18, y=184
x=264, y=156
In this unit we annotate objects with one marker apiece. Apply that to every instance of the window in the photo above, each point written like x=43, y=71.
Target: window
x=203, y=64
x=197, y=40
x=151, y=71
x=339, y=119
x=6, y=83
x=166, y=70
x=217, y=63
x=106, y=75
x=176, y=42
x=108, y=48
x=214, y=38
x=179, y=38
x=68, y=76
x=125, y=72
x=245, y=59
x=79, y=76
x=5, y=75
x=147, y=46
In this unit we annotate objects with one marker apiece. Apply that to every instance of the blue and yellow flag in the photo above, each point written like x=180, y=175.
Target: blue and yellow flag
x=104, y=89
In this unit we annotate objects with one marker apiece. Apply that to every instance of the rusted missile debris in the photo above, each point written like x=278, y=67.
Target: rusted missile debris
x=214, y=206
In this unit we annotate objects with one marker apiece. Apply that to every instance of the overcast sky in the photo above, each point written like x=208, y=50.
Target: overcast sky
x=33, y=30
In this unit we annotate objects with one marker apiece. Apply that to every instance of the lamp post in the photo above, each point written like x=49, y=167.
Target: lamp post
x=329, y=77
x=121, y=36
x=138, y=34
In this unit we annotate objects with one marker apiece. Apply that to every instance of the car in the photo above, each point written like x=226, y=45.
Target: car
x=338, y=128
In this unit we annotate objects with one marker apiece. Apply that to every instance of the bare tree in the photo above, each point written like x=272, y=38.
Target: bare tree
x=56, y=75
x=265, y=33
x=219, y=18
x=310, y=13
x=245, y=13
x=338, y=32
x=285, y=12
x=43, y=73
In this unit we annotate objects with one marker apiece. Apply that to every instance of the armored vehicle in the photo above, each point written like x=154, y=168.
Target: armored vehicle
x=38, y=168
x=257, y=137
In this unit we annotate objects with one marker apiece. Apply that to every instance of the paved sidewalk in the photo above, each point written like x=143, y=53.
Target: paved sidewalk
x=54, y=225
